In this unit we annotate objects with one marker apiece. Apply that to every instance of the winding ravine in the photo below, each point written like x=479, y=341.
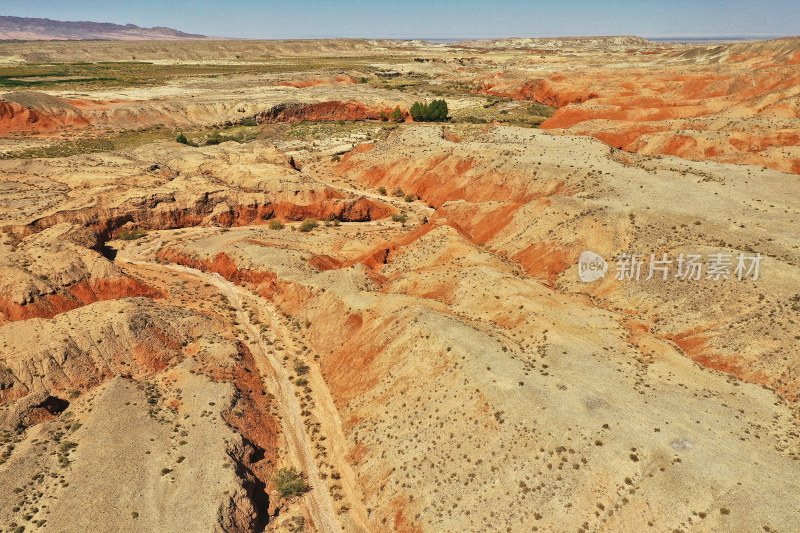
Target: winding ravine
x=276, y=379
x=319, y=501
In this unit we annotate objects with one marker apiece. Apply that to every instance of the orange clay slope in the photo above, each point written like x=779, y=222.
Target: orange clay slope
x=540, y=200
x=735, y=103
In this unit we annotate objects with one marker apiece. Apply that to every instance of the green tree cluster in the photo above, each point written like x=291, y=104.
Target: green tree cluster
x=397, y=115
x=436, y=111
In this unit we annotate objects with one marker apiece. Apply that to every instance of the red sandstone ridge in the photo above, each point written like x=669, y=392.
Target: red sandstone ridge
x=28, y=111
x=249, y=184
x=221, y=263
x=702, y=112
x=479, y=194
x=55, y=271
x=82, y=350
x=324, y=262
x=251, y=419
x=445, y=175
x=73, y=297
x=346, y=210
x=42, y=113
x=333, y=110
x=551, y=91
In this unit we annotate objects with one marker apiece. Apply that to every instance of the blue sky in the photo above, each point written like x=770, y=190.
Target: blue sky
x=433, y=19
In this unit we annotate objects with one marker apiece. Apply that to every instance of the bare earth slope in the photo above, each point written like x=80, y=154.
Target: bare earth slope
x=735, y=104
x=303, y=317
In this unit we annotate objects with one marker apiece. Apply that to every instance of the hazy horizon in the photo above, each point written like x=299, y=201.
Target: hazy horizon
x=443, y=20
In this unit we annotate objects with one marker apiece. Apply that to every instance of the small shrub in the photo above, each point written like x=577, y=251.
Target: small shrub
x=289, y=482
x=297, y=524
x=249, y=122
x=308, y=225
x=214, y=138
x=382, y=191
x=336, y=158
x=538, y=109
x=67, y=445
x=400, y=217
x=182, y=139
x=127, y=234
x=275, y=224
x=300, y=368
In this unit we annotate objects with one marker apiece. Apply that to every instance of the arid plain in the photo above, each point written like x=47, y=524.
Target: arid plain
x=315, y=314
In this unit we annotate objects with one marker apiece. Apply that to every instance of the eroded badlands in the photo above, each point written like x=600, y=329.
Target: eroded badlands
x=174, y=331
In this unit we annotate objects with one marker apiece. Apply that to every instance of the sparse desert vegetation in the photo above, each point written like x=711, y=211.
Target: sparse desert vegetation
x=237, y=276
x=289, y=482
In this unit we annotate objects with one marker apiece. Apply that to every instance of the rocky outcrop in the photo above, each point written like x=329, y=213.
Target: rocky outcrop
x=257, y=457
x=129, y=337
x=38, y=112
x=57, y=270
x=227, y=185
x=295, y=112
x=30, y=410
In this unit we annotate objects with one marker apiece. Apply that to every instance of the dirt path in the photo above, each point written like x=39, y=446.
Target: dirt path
x=329, y=418
x=318, y=500
x=318, y=174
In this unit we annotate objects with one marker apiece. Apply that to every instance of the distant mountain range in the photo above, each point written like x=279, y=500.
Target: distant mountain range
x=38, y=29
